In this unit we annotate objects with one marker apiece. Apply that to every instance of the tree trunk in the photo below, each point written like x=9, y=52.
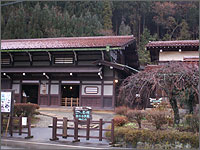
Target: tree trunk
x=174, y=105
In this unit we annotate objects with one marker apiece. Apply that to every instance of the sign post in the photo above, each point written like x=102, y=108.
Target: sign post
x=7, y=106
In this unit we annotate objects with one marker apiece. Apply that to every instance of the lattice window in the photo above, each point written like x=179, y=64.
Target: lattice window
x=91, y=90
x=64, y=60
x=5, y=61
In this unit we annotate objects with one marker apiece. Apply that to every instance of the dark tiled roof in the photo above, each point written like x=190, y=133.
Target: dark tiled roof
x=173, y=43
x=67, y=42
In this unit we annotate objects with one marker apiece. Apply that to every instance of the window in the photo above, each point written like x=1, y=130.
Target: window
x=63, y=60
x=91, y=90
x=5, y=61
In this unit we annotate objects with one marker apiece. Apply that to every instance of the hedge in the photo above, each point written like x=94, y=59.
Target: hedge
x=155, y=137
x=25, y=109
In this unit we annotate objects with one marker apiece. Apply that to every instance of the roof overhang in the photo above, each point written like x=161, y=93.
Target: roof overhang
x=51, y=70
x=118, y=66
x=70, y=49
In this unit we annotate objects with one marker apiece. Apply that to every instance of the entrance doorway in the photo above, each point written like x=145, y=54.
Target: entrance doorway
x=70, y=95
x=30, y=94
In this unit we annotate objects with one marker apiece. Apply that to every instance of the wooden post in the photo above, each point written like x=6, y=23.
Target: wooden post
x=100, y=129
x=29, y=128
x=71, y=101
x=112, y=131
x=77, y=101
x=54, y=129
x=64, y=127
x=20, y=125
x=65, y=101
x=11, y=125
x=76, y=130
x=2, y=124
x=88, y=129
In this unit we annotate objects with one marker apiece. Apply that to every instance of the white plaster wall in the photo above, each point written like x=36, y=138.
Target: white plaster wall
x=108, y=90
x=16, y=88
x=176, y=56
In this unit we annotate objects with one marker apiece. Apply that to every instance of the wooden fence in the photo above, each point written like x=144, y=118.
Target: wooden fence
x=70, y=101
x=18, y=125
x=75, y=134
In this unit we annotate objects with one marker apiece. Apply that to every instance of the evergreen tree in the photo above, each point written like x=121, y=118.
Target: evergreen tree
x=124, y=29
x=144, y=55
x=184, y=31
x=107, y=16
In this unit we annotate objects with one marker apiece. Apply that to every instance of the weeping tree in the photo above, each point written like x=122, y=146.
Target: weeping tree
x=173, y=78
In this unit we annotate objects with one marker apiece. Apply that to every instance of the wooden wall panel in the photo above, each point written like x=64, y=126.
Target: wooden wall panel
x=55, y=100
x=17, y=98
x=43, y=100
x=107, y=101
x=91, y=101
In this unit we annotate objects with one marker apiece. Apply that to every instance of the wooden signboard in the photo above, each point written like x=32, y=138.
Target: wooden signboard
x=82, y=113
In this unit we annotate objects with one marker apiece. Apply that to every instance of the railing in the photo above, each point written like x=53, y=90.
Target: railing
x=18, y=125
x=70, y=101
x=65, y=129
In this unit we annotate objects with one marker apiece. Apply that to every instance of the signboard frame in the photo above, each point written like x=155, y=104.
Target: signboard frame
x=12, y=101
x=82, y=113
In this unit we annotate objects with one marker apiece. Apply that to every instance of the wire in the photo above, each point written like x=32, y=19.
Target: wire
x=6, y=4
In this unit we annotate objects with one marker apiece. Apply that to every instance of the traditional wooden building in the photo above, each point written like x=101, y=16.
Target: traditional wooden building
x=165, y=51
x=74, y=71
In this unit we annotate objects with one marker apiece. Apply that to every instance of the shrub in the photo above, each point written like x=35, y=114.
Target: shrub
x=192, y=121
x=136, y=115
x=120, y=120
x=164, y=105
x=157, y=118
x=121, y=110
x=25, y=109
x=153, y=138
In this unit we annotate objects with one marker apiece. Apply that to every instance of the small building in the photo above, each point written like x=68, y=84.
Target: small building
x=165, y=51
x=67, y=71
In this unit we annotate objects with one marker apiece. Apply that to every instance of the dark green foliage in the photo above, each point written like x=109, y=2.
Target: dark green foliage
x=107, y=15
x=169, y=20
x=124, y=29
x=144, y=55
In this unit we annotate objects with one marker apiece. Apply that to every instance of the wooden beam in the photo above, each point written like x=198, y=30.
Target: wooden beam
x=11, y=56
x=30, y=56
x=49, y=55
